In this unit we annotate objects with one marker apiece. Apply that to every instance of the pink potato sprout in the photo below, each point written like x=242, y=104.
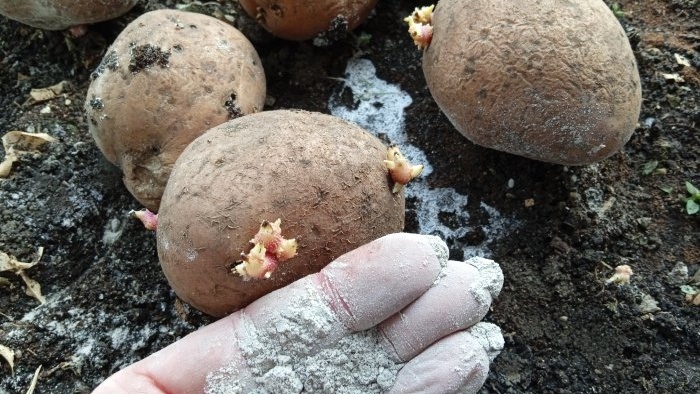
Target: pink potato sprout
x=420, y=26
x=270, y=248
x=400, y=170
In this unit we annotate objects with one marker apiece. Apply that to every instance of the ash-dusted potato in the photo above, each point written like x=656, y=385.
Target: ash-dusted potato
x=167, y=78
x=300, y=20
x=549, y=80
x=324, y=178
x=61, y=14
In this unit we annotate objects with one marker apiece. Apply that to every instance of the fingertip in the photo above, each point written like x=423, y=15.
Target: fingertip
x=442, y=252
x=490, y=274
x=489, y=337
x=455, y=364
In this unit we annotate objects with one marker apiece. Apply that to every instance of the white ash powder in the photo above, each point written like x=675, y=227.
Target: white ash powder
x=301, y=354
x=489, y=336
x=490, y=275
x=356, y=364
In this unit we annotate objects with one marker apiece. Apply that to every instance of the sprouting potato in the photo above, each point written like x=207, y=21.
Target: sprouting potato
x=300, y=20
x=169, y=77
x=549, y=80
x=263, y=200
x=62, y=14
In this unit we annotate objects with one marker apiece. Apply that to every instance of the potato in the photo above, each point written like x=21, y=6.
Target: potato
x=300, y=20
x=549, y=80
x=323, y=177
x=61, y=14
x=167, y=78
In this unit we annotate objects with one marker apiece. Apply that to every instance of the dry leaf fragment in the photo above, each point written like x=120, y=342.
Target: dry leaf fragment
x=675, y=77
x=10, y=263
x=695, y=300
x=680, y=59
x=24, y=142
x=35, y=379
x=6, y=165
x=17, y=143
x=9, y=355
x=33, y=287
x=692, y=293
x=45, y=94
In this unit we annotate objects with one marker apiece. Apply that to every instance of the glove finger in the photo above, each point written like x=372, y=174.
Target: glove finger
x=459, y=300
x=458, y=363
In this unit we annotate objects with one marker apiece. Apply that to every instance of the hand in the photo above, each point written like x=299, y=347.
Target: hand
x=391, y=316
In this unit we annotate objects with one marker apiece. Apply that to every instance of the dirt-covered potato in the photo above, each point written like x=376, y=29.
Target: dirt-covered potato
x=301, y=20
x=61, y=14
x=167, y=78
x=545, y=79
x=325, y=179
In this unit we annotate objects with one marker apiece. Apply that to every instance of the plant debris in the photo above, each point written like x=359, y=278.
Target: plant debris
x=680, y=59
x=10, y=263
x=46, y=94
x=9, y=355
x=622, y=275
x=692, y=294
x=35, y=379
x=17, y=143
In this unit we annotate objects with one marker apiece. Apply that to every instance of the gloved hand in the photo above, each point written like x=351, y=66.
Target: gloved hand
x=391, y=316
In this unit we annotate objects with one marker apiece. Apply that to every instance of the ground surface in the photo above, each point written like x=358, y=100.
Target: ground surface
x=556, y=231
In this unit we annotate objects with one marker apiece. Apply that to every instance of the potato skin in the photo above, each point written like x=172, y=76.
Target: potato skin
x=62, y=14
x=322, y=176
x=549, y=80
x=300, y=20
x=167, y=78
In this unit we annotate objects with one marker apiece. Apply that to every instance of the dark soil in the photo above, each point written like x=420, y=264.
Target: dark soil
x=566, y=331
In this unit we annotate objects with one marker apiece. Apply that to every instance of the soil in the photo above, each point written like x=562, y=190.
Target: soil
x=558, y=232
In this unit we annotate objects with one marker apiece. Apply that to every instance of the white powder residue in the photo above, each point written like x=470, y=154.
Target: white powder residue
x=119, y=335
x=93, y=330
x=298, y=354
x=356, y=364
x=303, y=347
x=379, y=105
x=498, y=227
x=86, y=349
x=113, y=231
x=490, y=275
x=140, y=340
x=489, y=336
x=379, y=108
x=433, y=202
x=84, y=327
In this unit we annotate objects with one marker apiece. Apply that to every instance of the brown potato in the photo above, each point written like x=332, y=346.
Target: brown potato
x=169, y=77
x=61, y=14
x=549, y=80
x=325, y=178
x=300, y=20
